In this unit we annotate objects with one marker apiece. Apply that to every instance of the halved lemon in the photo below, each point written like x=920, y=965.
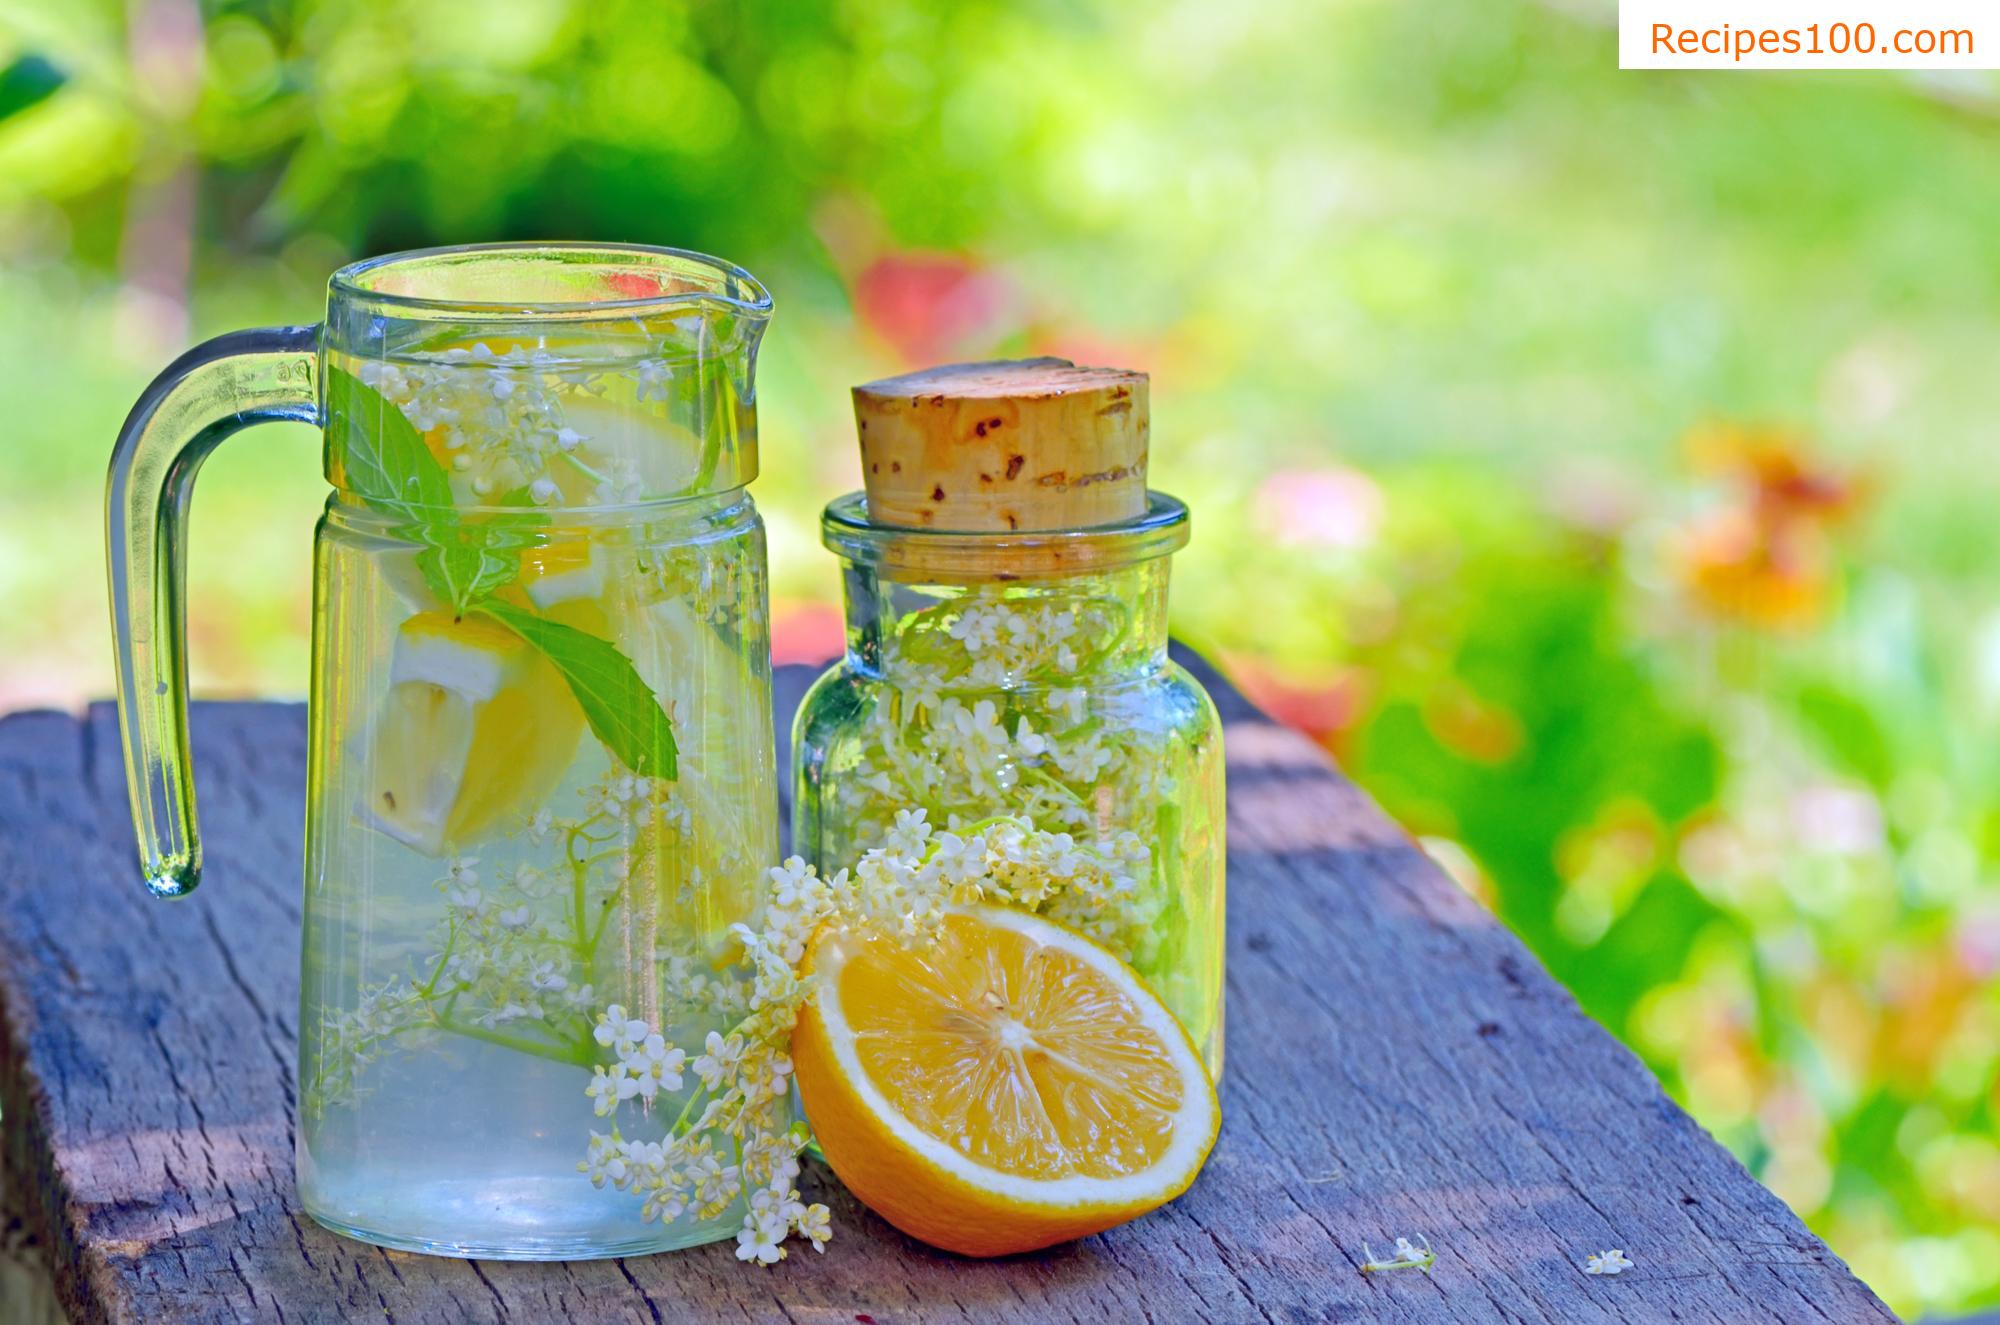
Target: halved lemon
x=1009, y=1087
x=476, y=727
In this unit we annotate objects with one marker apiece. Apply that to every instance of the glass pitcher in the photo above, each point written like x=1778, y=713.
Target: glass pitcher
x=541, y=783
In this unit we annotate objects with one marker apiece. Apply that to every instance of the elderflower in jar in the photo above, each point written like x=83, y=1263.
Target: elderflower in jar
x=1006, y=588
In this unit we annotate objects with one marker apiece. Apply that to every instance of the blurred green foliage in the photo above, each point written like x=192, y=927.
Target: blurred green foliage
x=1465, y=346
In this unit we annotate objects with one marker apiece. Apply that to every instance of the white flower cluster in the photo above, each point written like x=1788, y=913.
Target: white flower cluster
x=741, y=1140
x=503, y=423
x=1614, y=1261
x=513, y=957
x=960, y=754
x=639, y=805
x=744, y=1094
x=645, y=1064
x=1007, y=645
x=502, y=956
x=501, y=965
x=350, y=1039
x=905, y=885
x=902, y=889
x=728, y=592
x=987, y=710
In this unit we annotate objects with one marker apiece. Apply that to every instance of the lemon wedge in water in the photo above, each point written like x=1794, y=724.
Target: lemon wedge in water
x=634, y=444
x=476, y=727
x=564, y=579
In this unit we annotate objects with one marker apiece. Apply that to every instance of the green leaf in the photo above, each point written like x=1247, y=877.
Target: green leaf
x=1849, y=732
x=382, y=456
x=387, y=465
x=469, y=559
x=29, y=81
x=462, y=575
x=464, y=562
x=620, y=707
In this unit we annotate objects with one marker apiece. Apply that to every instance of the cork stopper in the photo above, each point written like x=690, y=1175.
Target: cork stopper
x=1010, y=444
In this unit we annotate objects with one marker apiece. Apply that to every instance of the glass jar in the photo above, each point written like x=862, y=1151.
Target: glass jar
x=541, y=782
x=1026, y=674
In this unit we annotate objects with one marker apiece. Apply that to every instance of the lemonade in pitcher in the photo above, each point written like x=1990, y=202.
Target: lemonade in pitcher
x=541, y=771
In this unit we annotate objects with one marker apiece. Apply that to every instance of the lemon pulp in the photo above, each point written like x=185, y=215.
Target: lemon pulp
x=1007, y=1086
x=476, y=726
x=1019, y=1055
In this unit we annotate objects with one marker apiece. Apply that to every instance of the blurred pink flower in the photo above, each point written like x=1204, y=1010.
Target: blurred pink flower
x=1324, y=707
x=803, y=632
x=1337, y=507
x=1979, y=941
x=1843, y=820
x=934, y=306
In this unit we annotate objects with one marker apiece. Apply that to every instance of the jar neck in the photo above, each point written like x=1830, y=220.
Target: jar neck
x=1060, y=631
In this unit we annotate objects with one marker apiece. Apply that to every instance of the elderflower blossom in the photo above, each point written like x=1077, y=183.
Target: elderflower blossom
x=1408, y=1256
x=1614, y=1261
x=718, y=1060
x=508, y=956
x=986, y=707
x=654, y=1065
x=743, y=1074
x=759, y=1241
x=816, y=1224
x=504, y=418
x=618, y=1031
x=609, y=1088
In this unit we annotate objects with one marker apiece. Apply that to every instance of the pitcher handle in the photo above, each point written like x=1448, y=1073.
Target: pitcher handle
x=208, y=393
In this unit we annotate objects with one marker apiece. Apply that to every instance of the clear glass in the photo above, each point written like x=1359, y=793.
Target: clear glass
x=975, y=684
x=541, y=779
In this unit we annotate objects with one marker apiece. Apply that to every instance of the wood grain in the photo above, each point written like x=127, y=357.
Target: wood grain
x=1398, y=1064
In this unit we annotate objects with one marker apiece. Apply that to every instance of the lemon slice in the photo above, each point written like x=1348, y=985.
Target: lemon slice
x=476, y=727
x=562, y=572
x=634, y=443
x=1011, y=1086
x=565, y=580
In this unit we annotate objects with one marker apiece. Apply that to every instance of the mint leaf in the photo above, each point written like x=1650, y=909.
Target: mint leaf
x=464, y=562
x=382, y=456
x=387, y=464
x=469, y=559
x=620, y=707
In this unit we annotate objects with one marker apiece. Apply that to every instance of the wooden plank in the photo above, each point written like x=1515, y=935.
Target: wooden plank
x=1398, y=1064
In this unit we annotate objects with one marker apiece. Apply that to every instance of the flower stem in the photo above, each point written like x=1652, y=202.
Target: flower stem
x=429, y=987
x=575, y=1055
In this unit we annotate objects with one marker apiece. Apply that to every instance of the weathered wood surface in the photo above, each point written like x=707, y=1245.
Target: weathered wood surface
x=1398, y=1064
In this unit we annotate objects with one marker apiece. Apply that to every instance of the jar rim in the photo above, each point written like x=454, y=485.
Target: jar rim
x=705, y=280
x=900, y=552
